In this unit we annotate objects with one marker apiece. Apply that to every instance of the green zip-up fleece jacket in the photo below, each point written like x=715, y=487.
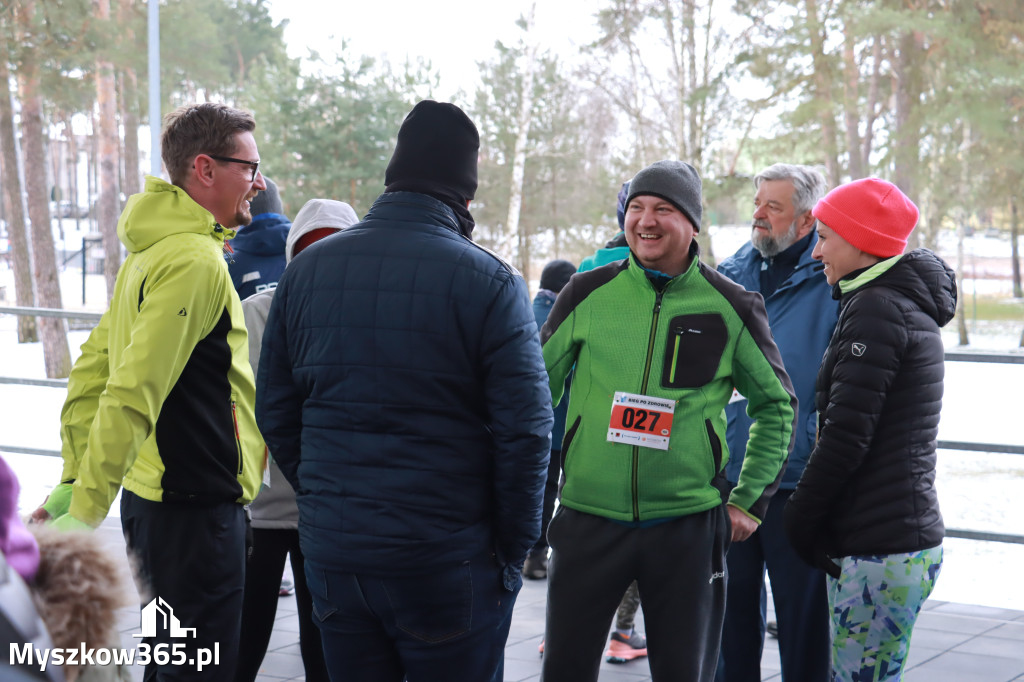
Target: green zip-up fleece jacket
x=161, y=399
x=692, y=343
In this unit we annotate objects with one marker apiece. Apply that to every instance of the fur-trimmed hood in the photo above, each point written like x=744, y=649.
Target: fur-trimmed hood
x=79, y=588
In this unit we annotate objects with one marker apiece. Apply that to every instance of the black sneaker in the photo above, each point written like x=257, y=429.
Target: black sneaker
x=772, y=627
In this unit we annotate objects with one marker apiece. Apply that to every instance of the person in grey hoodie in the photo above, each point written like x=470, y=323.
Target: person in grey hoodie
x=275, y=515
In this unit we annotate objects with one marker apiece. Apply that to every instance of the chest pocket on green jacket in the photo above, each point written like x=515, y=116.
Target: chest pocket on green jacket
x=694, y=350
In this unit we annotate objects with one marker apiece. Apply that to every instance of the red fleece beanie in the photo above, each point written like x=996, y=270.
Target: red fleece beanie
x=872, y=214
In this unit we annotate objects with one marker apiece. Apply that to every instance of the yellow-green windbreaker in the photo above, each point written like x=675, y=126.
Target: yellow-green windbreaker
x=161, y=399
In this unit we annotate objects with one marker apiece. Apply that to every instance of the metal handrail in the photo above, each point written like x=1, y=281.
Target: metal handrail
x=51, y=312
x=18, y=450
x=51, y=383
x=984, y=535
x=984, y=356
x=981, y=447
x=950, y=356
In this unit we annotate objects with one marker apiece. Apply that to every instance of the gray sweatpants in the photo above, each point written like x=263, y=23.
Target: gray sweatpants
x=679, y=567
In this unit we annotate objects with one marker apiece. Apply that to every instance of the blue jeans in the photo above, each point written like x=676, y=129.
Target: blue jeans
x=448, y=626
x=801, y=606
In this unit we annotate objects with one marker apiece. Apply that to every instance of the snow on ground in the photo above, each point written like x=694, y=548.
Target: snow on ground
x=978, y=491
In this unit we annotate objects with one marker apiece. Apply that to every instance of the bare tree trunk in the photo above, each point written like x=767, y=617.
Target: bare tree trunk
x=1015, y=249
x=822, y=79
x=108, y=161
x=872, y=104
x=515, y=199
x=961, y=265
x=56, y=193
x=56, y=355
x=961, y=234
x=73, y=172
x=851, y=83
x=695, y=131
x=130, y=107
x=130, y=118
x=909, y=82
x=693, y=150
x=24, y=295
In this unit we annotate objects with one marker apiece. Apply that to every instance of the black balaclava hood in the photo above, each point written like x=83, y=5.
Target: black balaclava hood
x=436, y=154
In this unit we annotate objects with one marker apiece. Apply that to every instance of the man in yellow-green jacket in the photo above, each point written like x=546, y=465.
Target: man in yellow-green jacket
x=161, y=400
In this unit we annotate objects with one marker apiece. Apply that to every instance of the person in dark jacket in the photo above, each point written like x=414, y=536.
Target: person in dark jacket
x=257, y=260
x=402, y=392
x=802, y=314
x=553, y=279
x=865, y=509
x=275, y=514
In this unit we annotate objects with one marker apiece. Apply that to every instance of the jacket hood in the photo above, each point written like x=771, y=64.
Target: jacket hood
x=156, y=213
x=920, y=275
x=79, y=588
x=266, y=235
x=318, y=213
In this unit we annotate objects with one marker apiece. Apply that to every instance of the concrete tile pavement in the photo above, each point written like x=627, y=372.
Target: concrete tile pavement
x=952, y=642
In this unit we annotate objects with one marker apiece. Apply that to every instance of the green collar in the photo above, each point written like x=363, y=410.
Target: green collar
x=876, y=270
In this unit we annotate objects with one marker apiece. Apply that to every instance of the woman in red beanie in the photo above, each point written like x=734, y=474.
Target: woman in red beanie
x=865, y=509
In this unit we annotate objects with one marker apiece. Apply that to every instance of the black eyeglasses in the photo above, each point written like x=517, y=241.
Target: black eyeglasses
x=255, y=164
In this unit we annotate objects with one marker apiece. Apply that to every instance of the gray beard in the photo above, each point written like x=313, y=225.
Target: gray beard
x=769, y=246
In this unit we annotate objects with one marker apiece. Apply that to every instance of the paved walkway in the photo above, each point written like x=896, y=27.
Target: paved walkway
x=952, y=642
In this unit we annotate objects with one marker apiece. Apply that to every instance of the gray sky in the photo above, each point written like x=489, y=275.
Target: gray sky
x=452, y=34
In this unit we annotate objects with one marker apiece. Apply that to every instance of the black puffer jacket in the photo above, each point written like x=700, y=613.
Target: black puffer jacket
x=869, y=487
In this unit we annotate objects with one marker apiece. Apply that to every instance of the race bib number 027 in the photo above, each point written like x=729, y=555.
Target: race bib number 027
x=641, y=420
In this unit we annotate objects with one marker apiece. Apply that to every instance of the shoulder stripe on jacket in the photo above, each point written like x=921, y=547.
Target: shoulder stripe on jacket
x=580, y=285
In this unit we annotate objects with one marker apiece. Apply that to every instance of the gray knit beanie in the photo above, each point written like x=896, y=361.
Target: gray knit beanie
x=674, y=181
x=267, y=201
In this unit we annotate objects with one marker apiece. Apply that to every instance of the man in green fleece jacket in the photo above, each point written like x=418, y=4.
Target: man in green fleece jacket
x=658, y=342
x=161, y=400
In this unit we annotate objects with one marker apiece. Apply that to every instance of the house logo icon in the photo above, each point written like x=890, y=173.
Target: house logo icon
x=159, y=609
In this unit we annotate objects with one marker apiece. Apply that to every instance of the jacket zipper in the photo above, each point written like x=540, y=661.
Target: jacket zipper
x=675, y=357
x=643, y=391
x=238, y=435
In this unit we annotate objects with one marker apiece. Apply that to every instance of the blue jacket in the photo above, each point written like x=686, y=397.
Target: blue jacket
x=258, y=258
x=402, y=392
x=801, y=315
x=542, y=304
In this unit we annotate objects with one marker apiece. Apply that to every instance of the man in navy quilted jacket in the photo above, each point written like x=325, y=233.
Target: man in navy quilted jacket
x=402, y=391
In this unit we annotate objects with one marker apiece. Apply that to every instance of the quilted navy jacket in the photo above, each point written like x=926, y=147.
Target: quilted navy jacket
x=402, y=391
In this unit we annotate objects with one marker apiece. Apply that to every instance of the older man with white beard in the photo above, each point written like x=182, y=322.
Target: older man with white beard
x=801, y=313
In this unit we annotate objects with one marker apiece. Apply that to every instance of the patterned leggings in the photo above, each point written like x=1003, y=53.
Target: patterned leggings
x=874, y=605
